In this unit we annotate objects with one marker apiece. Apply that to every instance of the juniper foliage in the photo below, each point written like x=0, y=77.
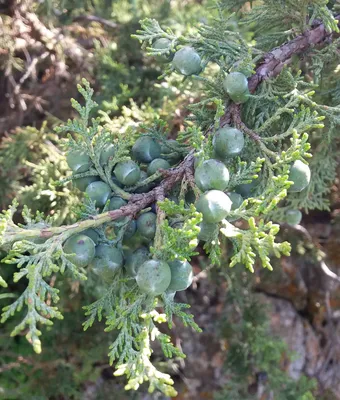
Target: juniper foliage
x=284, y=120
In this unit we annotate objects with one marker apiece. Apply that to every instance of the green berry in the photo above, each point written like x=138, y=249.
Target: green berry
x=168, y=149
x=106, y=153
x=212, y=174
x=236, y=200
x=156, y=164
x=146, y=225
x=247, y=190
x=116, y=181
x=92, y=234
x=79, y=249
x=136, y=259
x=236, y=85
x=214, y=206
x=83, y=183
x=228, y=142
x=162, y=44
x=187, y=61
x=181, y=275
x=235, y=82
x=115, y=204
x=78, y=161
x=107, y=261
x=146, y=188
x=130, y=230
x=207, y=230
x=240, y=98
x=293, y=217
x=146, y=149
x=127, y=172
x=99, y=192
x=300, y=175
x=153, y=277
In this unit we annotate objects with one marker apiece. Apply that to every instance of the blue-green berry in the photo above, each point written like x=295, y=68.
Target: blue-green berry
x=212, y=174
x=157, y=164
x=293, y=217
x=99, y=192
x=146, y=149
x=181, y=275
x=127, y=172
x=79, y=249
x=214, y=206
x=187, y=61
x=146, y=225
x=300, y=176
x=228, y=142
x=153, y=277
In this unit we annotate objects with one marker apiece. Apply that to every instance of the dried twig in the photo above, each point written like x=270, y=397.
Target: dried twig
x=94, y=18
x=323, y=266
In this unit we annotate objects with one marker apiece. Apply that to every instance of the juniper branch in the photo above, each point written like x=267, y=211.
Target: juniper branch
x=137, y=203
x=271, y=65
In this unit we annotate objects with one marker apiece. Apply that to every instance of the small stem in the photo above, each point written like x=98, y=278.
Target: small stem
x=76, y=176
x=158, y=242
x=120, y=235
x=115, y=188
x=26, y=234
x=147, y=181
x=235, y=112
x=106, y=176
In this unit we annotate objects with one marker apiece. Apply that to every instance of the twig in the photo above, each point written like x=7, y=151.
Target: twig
x=94, y=18
x=323, y=266
x=137, y=203
x=160, y=219
x=27, y=74
x=334, y=341
x=235, y=116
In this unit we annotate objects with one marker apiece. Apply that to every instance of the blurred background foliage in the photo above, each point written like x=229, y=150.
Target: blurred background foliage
x=47, y=46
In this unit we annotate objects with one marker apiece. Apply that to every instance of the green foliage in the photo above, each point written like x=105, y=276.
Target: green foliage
x=258, y=240
x=87, y=140
x=126, y=308
x=178, y=243
x=36, y=262
x=71, y=362
x=135, y=317
x=276, y=21
x=214, y=42
x=281, y=122
x=30, y=164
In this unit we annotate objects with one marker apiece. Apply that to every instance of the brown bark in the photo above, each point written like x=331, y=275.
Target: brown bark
x=276, y=59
